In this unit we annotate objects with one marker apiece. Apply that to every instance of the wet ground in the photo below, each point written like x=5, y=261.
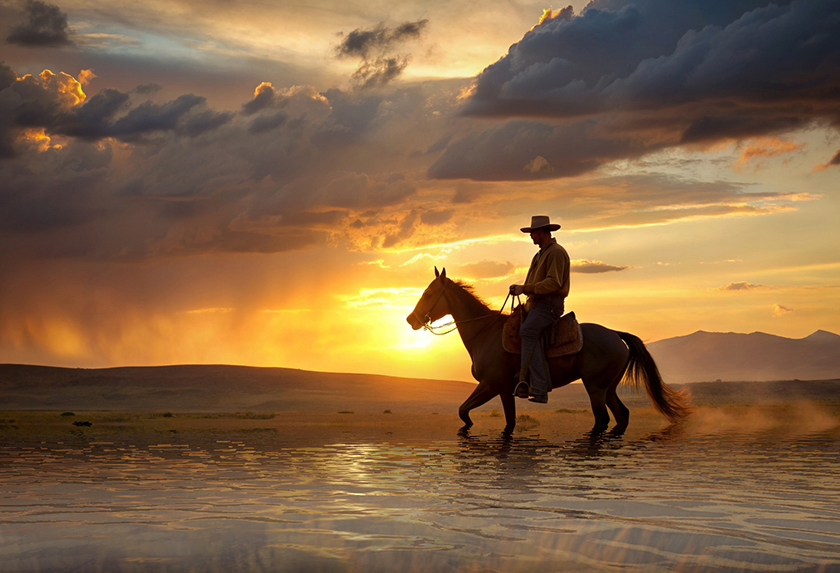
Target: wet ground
x=265, y=500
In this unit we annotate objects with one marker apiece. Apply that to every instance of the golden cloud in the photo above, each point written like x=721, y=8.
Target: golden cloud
x=779, y=310
x=740, y=286
x=764, y=147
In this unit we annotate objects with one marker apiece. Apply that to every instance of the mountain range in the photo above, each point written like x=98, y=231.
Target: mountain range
x=710, y=356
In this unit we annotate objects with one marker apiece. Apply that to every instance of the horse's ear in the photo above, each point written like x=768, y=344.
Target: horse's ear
x=443, y=273
x=437, y=274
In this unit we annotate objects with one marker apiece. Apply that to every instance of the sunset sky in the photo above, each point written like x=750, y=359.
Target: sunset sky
x=272, y=183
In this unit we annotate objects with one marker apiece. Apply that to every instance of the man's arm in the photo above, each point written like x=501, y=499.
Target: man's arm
x=553, y=281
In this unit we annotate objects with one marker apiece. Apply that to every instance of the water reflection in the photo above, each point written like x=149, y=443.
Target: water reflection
x=671, y=500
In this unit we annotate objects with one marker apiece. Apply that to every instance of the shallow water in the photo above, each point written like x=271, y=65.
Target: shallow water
x=257, y=502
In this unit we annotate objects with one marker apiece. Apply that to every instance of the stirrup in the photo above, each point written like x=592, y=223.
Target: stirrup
x=522, y=390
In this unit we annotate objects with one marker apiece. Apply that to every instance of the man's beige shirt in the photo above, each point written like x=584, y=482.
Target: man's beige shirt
x=549, y=272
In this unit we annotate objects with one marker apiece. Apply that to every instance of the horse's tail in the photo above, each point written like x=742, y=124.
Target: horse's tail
x=673, y=404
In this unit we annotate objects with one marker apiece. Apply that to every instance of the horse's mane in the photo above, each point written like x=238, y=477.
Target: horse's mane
x=471, y=291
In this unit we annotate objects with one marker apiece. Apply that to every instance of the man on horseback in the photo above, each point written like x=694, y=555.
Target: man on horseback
x=546, y=286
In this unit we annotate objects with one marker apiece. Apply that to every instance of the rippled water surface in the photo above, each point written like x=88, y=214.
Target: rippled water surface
x=257, y=502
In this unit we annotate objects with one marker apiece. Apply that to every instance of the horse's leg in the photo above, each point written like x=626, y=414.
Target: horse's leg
x=598, y=400
x=481, y=395
x=620, y=412
x=509, y=404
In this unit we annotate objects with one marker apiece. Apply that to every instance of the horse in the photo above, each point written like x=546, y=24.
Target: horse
x=607, y=358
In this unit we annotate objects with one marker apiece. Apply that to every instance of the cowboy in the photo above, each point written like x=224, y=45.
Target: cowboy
x=546, y=286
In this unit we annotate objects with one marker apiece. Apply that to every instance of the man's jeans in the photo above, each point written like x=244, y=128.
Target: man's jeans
x=541, y=315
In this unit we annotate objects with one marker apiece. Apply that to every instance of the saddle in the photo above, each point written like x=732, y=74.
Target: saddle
x=561, y=338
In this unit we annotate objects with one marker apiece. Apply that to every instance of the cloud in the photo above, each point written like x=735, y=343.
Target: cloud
x=509, y=151
x=635, y=54
x=440, y=144
x=833, y=161
x=265, y=123
x=404, y=231
x=587, y=266
x=147, y=89
x=626, y=78
x=45, y=26
x=538, y=164
x=192, y=180
x=765, y=147
x=436, y=217
x=741, y=286
x=378, y=72
x=263, y=97
x=779, y=310
x=202, y=122
x=58, y=104
x=485, y=270
x=641, y=200
x=365, y=43
x=375, y=47
x=417, y=258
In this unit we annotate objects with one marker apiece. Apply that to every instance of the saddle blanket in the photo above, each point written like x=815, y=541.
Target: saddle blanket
x=561, y=338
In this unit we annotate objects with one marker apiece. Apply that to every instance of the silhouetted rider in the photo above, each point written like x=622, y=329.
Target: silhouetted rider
x=547, y=286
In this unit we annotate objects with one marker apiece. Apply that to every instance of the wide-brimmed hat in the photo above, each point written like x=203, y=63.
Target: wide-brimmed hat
x=540, y=222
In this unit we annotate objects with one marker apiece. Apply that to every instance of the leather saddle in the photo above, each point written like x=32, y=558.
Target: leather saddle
x=561, y=338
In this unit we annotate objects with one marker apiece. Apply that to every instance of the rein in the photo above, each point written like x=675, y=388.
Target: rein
x=427, y=324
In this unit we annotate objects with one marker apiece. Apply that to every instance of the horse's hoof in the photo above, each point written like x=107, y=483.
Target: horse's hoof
x=465, y=430
x=618, y=431
x=508, y=430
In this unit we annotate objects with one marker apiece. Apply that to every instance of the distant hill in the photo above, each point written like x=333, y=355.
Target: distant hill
x=220, y=388
x=710, y=356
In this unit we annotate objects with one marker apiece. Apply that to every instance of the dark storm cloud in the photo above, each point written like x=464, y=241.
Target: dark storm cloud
x=439, y=145
x=99, y=117
x=357, y=191
x=250, y=242
x=835, y=160
x=263, y=98
x=527, y=150
x=365, y=43
x=650, y=53
x=351, y=116
x=380, y=71
x=268, y=122
x=147, y=89
x=202, y=122
x=7, y=133
x=193, y=180
x=44, y=25
x=51, y=102
x=376, y=48
x=659, y=73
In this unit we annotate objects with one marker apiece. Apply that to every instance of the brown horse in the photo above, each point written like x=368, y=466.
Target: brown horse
x=607, y=358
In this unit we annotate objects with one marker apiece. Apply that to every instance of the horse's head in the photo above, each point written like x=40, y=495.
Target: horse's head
x=432, y=305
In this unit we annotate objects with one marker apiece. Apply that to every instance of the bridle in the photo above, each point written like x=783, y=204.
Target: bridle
x=427, y=320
